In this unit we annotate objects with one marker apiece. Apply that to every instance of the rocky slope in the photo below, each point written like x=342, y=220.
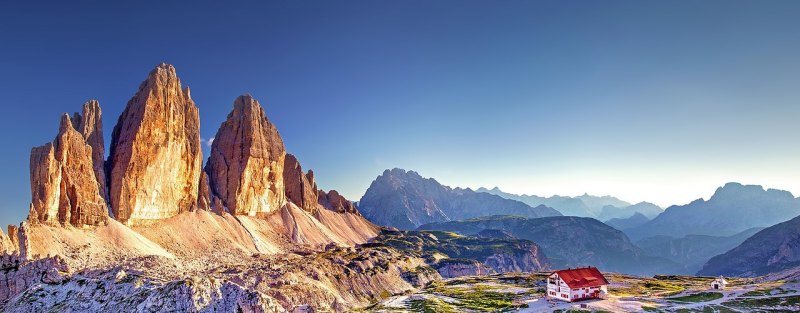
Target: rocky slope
x=155, y=158
x=455, y=255
x=691, y=251
x=732, y=209
x=771, y=250
x=406, y=200
x=567, y=241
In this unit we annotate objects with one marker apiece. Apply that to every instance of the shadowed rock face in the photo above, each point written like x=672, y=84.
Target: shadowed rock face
x=246, y=165
x=64, y=188
x=771, y=250
x=300, y=187
x=90, y=125
x=155, y=158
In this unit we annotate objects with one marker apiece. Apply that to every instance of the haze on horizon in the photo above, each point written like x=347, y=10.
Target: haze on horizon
x=547, y=97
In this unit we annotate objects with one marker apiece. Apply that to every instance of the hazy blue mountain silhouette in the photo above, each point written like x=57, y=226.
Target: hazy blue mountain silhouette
x=405, y=200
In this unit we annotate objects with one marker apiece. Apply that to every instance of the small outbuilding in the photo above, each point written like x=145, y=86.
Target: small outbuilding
x=719, y=283
x=576, y=284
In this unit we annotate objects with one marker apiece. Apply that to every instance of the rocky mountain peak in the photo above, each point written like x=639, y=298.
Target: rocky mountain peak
x=246, y=165
x=155, y=159
x=738, y=192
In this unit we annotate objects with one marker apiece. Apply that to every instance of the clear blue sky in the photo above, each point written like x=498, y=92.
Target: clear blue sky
x=646, y=100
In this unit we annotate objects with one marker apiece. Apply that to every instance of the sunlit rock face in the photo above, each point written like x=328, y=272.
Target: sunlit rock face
x=245, y=169
x=64, y=188
x=300, y=187
x=155, y=160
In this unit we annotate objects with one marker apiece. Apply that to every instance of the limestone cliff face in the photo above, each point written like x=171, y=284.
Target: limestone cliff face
x=155, y=159
x=300, y=187
x=245, y=169
x=64, y=188
x=90, y=125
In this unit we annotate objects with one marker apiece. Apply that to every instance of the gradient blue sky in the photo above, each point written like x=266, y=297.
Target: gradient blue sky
x=645, y=100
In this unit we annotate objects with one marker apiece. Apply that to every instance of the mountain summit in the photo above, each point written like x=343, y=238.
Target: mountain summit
x=155, y=158
x=406, y=200
x=732, y=209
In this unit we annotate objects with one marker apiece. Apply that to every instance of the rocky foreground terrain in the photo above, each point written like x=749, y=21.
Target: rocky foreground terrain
x=153, y=229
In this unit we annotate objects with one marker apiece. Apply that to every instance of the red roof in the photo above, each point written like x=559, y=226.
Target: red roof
x=582, y=277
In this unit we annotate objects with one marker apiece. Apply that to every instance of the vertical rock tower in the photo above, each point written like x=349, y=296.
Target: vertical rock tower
x=64, y=188
x=155, y=159
x=300, y=187
x=90, y=125
x=245, y=169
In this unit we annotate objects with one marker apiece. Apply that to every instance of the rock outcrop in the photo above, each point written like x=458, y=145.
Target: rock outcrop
x=16, y=277
x=450, y=268
x=155, y=159
x=300, y=187
x=333, y=201
x=245, y=169
x=64, y=186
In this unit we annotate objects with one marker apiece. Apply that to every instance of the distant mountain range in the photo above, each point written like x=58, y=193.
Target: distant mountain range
x=626, y=223
x=691, y=251
x=732, y=209
x=679, y=240
x=567, y=241
x=773, y=249
x=405, y=200
x=599, y=207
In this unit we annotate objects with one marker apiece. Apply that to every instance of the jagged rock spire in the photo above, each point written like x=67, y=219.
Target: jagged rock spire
x=155, y=159
x=90, y=125
x=64, y=188
x=300, y=187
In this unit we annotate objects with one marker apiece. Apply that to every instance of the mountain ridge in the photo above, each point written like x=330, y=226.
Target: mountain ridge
x=599, y=207
x=733, y=208
x=406, y=200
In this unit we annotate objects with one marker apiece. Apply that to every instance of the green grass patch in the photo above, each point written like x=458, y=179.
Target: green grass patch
x=477, y=297
x=698, y=297
x=432, y=306
x=763, y=302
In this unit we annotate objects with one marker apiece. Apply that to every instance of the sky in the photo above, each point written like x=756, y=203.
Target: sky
x=662, y=101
